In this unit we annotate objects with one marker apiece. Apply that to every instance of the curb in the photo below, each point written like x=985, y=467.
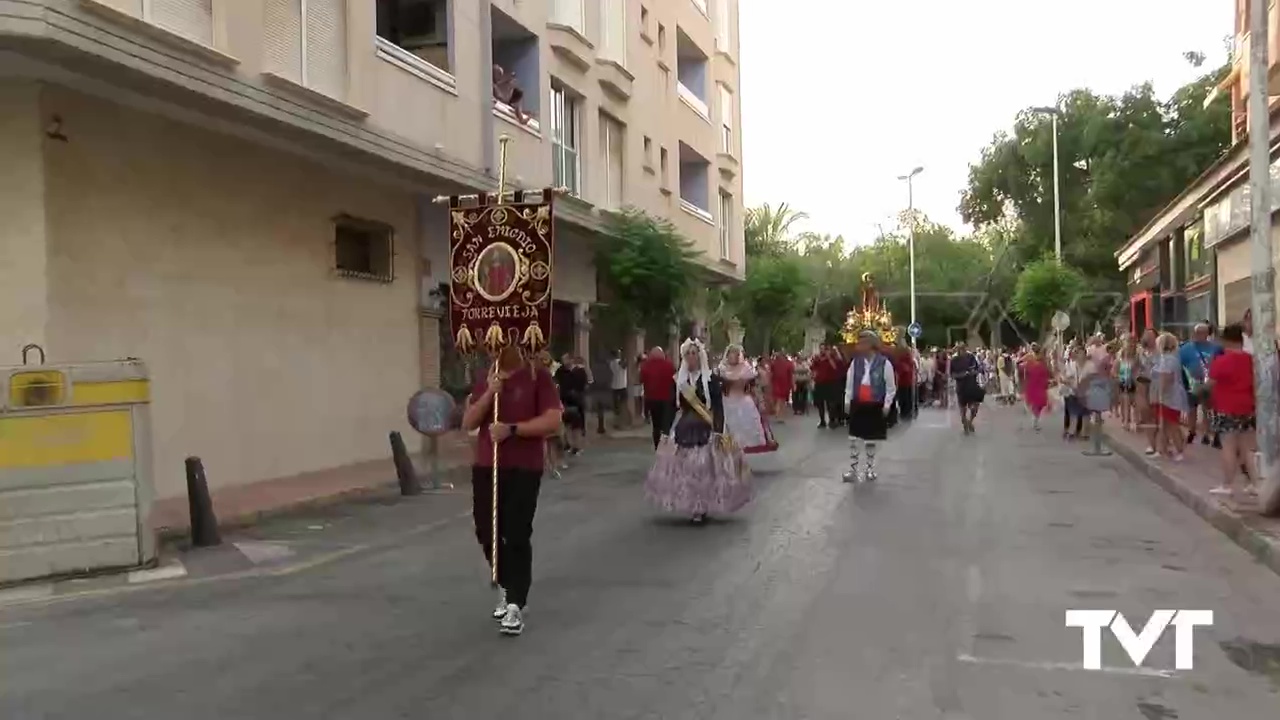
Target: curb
x=1227, y=521
x=177, y=535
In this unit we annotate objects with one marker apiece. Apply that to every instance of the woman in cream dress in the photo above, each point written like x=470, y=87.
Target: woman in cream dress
x=743, y=420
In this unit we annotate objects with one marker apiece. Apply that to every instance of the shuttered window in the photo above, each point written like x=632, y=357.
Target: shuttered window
x=283, y=38
x=325, y=42
x=306, y=42
x=189, y=18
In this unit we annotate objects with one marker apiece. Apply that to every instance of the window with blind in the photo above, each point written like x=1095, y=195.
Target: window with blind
x=306, y=42
x=726, y=120
x=565, y=158
x=613, y=149
x=613, y=31
x=189, y=18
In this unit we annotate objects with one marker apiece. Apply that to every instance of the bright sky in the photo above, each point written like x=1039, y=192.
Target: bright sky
x=840, y=97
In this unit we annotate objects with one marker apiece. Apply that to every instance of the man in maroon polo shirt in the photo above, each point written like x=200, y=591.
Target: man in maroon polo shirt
x=658, y=377
x=825, y=368
x=528, y=413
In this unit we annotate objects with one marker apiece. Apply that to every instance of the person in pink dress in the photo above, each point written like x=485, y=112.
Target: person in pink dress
x=1035, y=384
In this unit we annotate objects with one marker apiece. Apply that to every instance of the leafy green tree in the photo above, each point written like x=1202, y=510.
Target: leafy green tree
x=771, y=300
x=1122, y=158
x=1044, y=287
x=650, y=269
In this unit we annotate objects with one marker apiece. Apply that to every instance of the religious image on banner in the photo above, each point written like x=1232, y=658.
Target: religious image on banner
x=500, y=290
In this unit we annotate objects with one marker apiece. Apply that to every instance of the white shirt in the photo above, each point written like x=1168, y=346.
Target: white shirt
x=1069, y=377
x=890, y=382
x=1248, y=344
x=619, y=380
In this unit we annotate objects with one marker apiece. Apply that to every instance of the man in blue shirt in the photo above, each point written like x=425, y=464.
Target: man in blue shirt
x=1195, y=356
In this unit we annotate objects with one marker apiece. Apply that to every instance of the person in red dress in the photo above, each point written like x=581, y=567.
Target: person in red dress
x=783, y=374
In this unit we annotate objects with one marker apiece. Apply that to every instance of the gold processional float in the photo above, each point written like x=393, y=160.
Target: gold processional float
x=873, y=314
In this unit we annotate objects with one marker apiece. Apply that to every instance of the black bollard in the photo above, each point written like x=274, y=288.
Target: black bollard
x=600, y=411
x=404, y=466
x=204, y=524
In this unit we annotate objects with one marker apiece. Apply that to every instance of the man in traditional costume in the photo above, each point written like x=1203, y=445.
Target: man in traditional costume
x=697, y=469
x=869, y=392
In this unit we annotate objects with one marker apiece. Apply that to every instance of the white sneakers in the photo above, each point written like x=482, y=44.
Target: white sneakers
x=509, y=616
x=512, y=622
x=500, y=611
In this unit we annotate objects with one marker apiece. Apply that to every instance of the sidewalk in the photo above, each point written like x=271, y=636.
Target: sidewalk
x=240, y=505
x=1191, y=480
x=286, y=525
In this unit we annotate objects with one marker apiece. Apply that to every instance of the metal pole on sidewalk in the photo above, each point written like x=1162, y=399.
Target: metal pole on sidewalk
x=1057, y=194
x=911, y=261
x=1053, y=113
x=911, y=237
x=1264, y=291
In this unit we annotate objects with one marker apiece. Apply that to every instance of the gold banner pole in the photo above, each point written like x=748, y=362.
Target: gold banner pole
x=494, y=538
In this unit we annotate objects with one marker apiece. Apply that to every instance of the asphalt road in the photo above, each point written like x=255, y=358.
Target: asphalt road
x=937, y=592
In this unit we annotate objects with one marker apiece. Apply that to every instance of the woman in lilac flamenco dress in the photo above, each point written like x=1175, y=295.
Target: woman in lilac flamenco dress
x=698, y=469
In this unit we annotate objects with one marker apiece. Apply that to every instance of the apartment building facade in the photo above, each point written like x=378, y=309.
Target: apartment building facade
x=239, y=191
x=1193, y=262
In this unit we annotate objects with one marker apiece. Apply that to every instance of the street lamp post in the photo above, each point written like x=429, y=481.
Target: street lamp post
x=1053, y=114
x=911, y=239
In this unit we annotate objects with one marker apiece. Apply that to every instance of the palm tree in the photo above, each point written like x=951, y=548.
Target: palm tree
x=767, y=230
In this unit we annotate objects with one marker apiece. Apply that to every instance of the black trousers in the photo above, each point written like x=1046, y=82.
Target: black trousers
x=517, y=504
x=661, y=414
x=829, y=397
x=906, y=400
x=835, y=399
x=800, y=399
